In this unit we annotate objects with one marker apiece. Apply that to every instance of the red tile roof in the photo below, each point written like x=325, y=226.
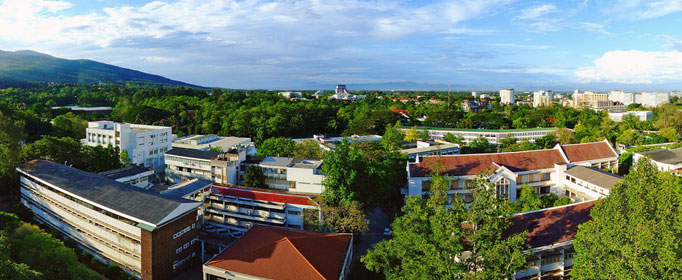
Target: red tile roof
x=275, y=253
x=551, y=226
x=263, y=195
x=588, y=151
x=460, y=165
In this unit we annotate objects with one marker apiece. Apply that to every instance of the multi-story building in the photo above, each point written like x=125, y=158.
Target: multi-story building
x=543, y=98
x=145, y=144
x=588, y=99
x=655, y=99
x=283, y=254
x=507, y=96
x=132, y=175
x=669, y=160
x=545, y=170
x=149, y=235
x=641, y=115
x=218, y=167
x=475, y=106
x=492, y=135
x=213, y=142
x=430, y=149
x=550, y=238
x=288, y=174
x=626, y=98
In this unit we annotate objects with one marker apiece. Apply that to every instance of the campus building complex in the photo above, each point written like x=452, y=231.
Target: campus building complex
x=492, y=135
x=275, y=253
x=149, y=235
x=665, y=159
x=567, y=170
x=287, y=174
x=145, y=144
x=214, y=142
x=219, y=167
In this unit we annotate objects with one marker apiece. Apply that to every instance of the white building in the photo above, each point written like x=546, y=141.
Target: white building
x=641, y=115
x=219, y=167
x=665, y=159
x=492, y=135
x=430, y=149
x=207, y=142
x=545, y=170
x=507, y=96
x=290, y=94
x=542, y=98
x=288, y=174
x=655, y=99
x=145, y=144
x=626, y=98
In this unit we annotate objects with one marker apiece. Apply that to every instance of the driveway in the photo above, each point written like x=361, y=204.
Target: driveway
x=378, y=222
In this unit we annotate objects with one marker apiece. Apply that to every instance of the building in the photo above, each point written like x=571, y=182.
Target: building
x=430, y=149
x=283, y=254
x=669, y=160
x=588, y=99
x=149, y=235
x=475, y=106
x=233, y=210
x=329, y=143
x=341, y=89
x=581, y=183
x=209, y=142
x=655, y=99
x=132, y=175
x=145, y=144
x=641, y=115
x=544, y=170
x=626, y=98
x=507, y=96
x=288, y=174
x=492, y=135
x=543, y=98
x=219, y=167
x=550, y=238
x=290, y=94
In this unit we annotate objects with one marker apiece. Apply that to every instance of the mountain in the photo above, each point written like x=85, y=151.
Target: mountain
x=31, y=66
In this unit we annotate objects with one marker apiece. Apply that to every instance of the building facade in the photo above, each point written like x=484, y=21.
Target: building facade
x=543, y=98
x=429, y=149
x=219, y=167
x=655, y=99
x=287, y=174
x=669, y=160
x=213, y=142
x=641, y=115
x=132, y=175
x=507, y=96
x=492, y=135
x=145, y=144
x=148, y=235
x=626, y=98
x=544, y=170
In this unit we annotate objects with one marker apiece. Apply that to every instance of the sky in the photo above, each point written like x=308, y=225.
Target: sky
x=307, y=44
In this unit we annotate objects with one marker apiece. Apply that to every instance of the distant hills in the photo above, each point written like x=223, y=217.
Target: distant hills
x=31, y=66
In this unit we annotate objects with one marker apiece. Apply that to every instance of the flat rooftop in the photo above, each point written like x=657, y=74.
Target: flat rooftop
x=673, y=156
x=145, y=205
x=127, y=171
x=594, y=176
x=482, y=130
x=192, y=153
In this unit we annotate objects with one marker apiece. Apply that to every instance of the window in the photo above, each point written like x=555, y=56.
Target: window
x=551, y=259
x=293, y=212
x=502, y=188
x=213, y=277
x=426, y=185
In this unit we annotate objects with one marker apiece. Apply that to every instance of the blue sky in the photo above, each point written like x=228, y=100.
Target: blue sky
x=484, y=44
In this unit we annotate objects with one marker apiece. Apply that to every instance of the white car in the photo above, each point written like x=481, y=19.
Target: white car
x=387, y=231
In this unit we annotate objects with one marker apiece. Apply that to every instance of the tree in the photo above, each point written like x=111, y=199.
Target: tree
x=529, y=200
x=412, y=135
x=634, y=232
x=349, y=218
x=392, y=138
x=254, y=177
x=546, y=142
x=454, y=139
x=124, y=157
x=435, y=242
x=670, y=134
x=277, y=146
x=308, y=149
x=9, y=269
x=630, y=137
x=69, y=125
x=564, y=136
x=508, y=141
x=564, y=200
x=480, y=145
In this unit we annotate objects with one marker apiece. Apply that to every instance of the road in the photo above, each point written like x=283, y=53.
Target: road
x=378, y=222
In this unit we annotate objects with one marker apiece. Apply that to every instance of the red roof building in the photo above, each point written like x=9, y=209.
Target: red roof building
x=274, y=253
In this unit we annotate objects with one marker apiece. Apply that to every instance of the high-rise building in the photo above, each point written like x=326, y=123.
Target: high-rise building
x=655, y=99
x=507, y=96
x=626, y=98
x=145, y=144
x=542, y=98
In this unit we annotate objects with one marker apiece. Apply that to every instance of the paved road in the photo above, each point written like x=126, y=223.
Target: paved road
x=378, y=222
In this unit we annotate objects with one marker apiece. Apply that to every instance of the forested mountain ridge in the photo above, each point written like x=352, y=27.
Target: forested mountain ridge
x=31, y=66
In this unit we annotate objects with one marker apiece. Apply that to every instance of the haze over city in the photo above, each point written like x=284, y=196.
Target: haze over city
x=560, y=45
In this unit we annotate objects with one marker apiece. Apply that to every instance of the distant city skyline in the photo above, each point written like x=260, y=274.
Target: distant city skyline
x=475, y=45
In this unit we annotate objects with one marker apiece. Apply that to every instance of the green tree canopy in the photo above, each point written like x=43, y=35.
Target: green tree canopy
x=277, y=146
x=254, y=177
x=69, y=125
x=308, y=149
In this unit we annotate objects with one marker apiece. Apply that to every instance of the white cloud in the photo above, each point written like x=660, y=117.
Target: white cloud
x=643, y=9
x=537, y=12
x=592, y=27
x=672, y=42
x=633, y=67
x=160, y=59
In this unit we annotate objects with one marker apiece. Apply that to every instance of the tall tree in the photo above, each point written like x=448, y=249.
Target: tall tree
x=254, y=177
x=456, y=242
x=308, y=149
x=634, y=232
x=393, y=137
x=529, y=200
x=69, y=125
x=277, y=146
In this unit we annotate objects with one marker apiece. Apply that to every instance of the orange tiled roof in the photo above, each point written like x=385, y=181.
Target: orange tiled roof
x=551, y=226
x=588, y=151
x=276, y=253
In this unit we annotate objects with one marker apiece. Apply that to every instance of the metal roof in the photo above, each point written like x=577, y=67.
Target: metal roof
x=673, y=156
x=192, y=153
x=594, y=176
x=143, y=205
x=187, y=187
x=127, y=171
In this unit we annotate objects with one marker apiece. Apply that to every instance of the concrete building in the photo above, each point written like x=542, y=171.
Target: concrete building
x=507, y=96
x=341, y=89
x=550, y=238
x=655, y=99
x=145, y=144
x=588, y=99
x=492, y=135
x=545, y=170
x=290, y=94
x=641, y=115
x=283, y=254
x=329, y=143
x=543, y=98
x=475, y=106
x=626, y=98
x=665, y=159
x=288, y=174
x=430, y=149
x=132, y=175
x=149, y=235
x=211, y=141
x=219, y=167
